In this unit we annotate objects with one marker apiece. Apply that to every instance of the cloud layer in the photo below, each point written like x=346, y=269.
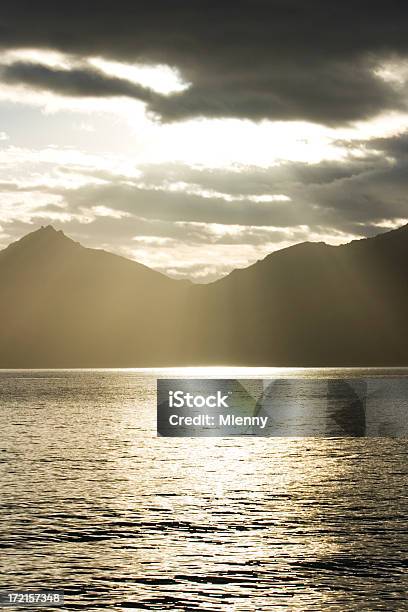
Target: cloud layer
x=255, y=59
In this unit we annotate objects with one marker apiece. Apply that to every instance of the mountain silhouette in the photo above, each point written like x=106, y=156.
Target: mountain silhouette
x=65, y=305
x=312, y=304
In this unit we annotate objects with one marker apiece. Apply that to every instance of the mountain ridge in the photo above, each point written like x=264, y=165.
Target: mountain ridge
x=48, y=236
x=59, y=237
x=311, y=304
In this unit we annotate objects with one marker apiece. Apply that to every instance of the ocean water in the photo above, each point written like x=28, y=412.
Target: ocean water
x=94, y=503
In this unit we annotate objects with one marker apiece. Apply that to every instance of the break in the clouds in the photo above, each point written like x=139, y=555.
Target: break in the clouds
x=197, y=137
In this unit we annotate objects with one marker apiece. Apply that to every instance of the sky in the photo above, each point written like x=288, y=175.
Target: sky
x=197, y=137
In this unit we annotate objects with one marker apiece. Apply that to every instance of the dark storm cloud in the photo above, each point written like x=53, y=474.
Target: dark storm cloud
x=277, y=59
x=364, y=199
x=324, y=94
x=396, y=147
x=295, y=97
x=76, y=82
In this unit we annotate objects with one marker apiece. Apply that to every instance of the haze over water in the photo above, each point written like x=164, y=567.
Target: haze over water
x=94, y=503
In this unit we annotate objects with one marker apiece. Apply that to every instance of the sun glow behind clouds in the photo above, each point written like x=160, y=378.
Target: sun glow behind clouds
x=235, y=146
x=393, y=71
x=52, y=59
x=160, y=78
x=225, y=142
x=214, y=143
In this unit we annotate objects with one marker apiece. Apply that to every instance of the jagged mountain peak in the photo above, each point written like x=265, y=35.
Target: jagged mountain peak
x=47, y=232
x=40, y=240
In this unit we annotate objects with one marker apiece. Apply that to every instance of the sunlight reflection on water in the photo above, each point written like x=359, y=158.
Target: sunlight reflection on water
x=94, y=503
